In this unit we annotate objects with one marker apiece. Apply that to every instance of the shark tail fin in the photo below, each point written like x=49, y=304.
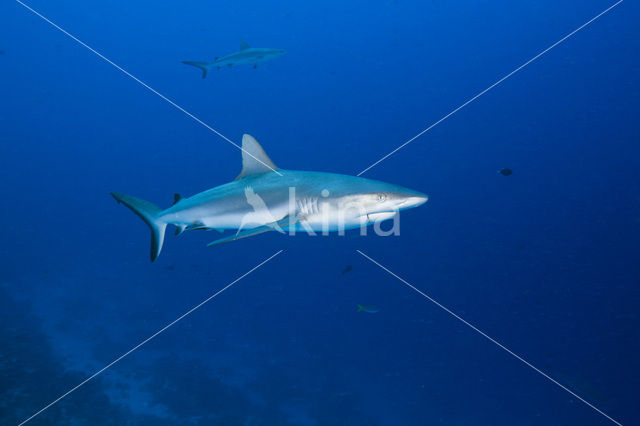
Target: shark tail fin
x=204, y=66
x=150, y=213
x=360, y=308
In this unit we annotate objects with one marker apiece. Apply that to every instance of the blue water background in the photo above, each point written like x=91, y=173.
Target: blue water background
x=545, y=261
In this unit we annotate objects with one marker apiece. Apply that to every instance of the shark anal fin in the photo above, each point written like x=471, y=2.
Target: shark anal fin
x=286, y=221
x=180, y=229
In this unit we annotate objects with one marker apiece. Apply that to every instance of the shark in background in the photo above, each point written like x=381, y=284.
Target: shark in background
x=265, y=198
x=246, y=55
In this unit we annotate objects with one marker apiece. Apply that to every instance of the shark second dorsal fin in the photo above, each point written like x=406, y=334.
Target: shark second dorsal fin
x=254, y=160
x=244, y=45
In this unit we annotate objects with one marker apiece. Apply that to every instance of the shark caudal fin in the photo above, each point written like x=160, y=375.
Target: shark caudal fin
x=149, y=213
x=204, y=66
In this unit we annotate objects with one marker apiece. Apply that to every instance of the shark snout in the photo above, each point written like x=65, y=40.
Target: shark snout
x=413, y=200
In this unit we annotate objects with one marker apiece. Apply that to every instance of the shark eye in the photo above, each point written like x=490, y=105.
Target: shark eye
x=381, y=197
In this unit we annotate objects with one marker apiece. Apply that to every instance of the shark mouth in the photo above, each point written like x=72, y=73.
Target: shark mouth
x=379, y=217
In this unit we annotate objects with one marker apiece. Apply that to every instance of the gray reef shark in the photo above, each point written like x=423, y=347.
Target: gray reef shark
x=264, y=198
x=246, y=55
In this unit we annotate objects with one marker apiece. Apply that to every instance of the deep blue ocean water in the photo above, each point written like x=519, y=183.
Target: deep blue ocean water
x=545, y=261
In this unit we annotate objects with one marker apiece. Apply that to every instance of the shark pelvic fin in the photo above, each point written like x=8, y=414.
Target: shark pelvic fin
x=149, y=213
x=244, y=45
x=274, y=226
x=254, y=160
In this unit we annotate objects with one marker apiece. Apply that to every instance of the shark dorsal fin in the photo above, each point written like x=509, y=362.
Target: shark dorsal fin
x=176, y=198
x=244, y=45
x=254, y=160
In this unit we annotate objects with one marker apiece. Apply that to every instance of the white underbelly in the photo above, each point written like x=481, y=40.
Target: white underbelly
x=235, y=220
x=335, y=221
x=316, y=220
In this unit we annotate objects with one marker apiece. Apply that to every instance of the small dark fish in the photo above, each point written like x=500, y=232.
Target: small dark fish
x=367, y=309
x=348, y=268
x=169, y=267
x=505, y=172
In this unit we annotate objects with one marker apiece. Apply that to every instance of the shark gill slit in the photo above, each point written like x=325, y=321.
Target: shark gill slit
x=308, y=206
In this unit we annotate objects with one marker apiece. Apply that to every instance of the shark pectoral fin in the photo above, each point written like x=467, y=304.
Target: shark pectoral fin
x=254, y=160
x=273, y=226
x=284, y=222
x=240, y=235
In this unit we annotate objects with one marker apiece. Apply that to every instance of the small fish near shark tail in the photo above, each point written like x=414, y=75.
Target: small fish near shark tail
x=204, y=66
x=150, y=213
